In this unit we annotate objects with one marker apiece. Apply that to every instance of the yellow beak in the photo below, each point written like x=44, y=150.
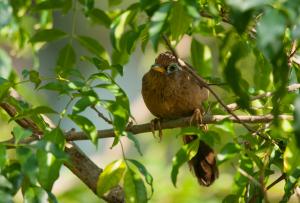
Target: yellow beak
x=158, y=68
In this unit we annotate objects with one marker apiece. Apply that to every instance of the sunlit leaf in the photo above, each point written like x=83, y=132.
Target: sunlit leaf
x=229, y=151
x=158, y=21
x=110, y=176
x=184, y=154
x=134, y=188
x=20, y=134
x=87, y=126
x=35, y=195
x=142, y=169
x=49, y=168
x=83, y=103
x=291, y=156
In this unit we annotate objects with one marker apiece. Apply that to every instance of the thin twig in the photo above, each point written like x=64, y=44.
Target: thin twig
x=280, y=178
x=101, y=115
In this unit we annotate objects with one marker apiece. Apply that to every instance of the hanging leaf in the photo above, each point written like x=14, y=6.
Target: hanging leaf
x=158, y=21
x=110, y=176
x=66, y=60
x=185, y=153
x=134, y=188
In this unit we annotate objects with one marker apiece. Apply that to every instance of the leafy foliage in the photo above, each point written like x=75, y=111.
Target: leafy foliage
x=252, y=46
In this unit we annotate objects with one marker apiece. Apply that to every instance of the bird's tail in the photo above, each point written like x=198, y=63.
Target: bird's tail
x=203, y=163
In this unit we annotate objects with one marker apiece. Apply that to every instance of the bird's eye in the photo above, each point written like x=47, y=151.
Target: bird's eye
x=172, y=67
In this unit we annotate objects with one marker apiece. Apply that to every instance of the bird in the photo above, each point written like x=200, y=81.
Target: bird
x=170, y=92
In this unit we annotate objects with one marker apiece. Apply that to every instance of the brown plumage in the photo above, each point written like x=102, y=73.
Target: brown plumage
x=170, y=92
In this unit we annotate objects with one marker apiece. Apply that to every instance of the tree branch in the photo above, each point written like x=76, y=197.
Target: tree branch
x=178, y=123
x=79, y=163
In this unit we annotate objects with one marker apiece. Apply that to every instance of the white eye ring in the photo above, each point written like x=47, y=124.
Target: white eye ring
x=173, y=67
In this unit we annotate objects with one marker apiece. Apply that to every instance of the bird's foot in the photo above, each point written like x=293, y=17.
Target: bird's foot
x=197, y=118
x=155, y=124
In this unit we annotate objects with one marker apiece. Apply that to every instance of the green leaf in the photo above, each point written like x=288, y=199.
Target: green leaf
x=5, y=13
x=270, y=31
x=5, y=63
x=297, y=121
x=4, y=88
x=197, y=54
x=114, y=2
x=66, y=59
x=49, y=167
x=179, y=20
x=6, y=197
x=35, y=111
x=87, y=126
x=3, y=156
x=83, y=103
x=20, y=134
x=158, y=21
x=60, y=87
x=35, y=195
x=47, y=35
x=34, y=77
x=49, y=5
x=231, y=199
x=291, y=156
x=100, y=17
x=233, y=75
x=185, y=153
x=243, y=6
x=291, y=183
x=229, y=151
x=110, y=177
x=136, y=142
x=28, y=161
x=93, y=46
x=144, y=172
x=56, y=136
x=134, y=187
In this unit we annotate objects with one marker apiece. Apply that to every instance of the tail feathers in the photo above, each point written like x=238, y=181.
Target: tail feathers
x=203, y=163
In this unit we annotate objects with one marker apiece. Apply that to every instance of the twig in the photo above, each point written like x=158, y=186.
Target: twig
x=282, y=177
x=101, y=115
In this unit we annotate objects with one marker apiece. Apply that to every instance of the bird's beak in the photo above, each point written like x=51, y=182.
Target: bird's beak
x=158, y=68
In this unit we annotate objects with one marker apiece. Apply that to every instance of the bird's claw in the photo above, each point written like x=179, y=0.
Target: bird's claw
x=197, y=117
x=156, y=124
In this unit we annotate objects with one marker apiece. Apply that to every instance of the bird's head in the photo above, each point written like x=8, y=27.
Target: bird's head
x=166, y=63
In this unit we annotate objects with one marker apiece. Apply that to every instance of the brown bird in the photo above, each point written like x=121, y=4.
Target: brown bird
x=170, y=92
